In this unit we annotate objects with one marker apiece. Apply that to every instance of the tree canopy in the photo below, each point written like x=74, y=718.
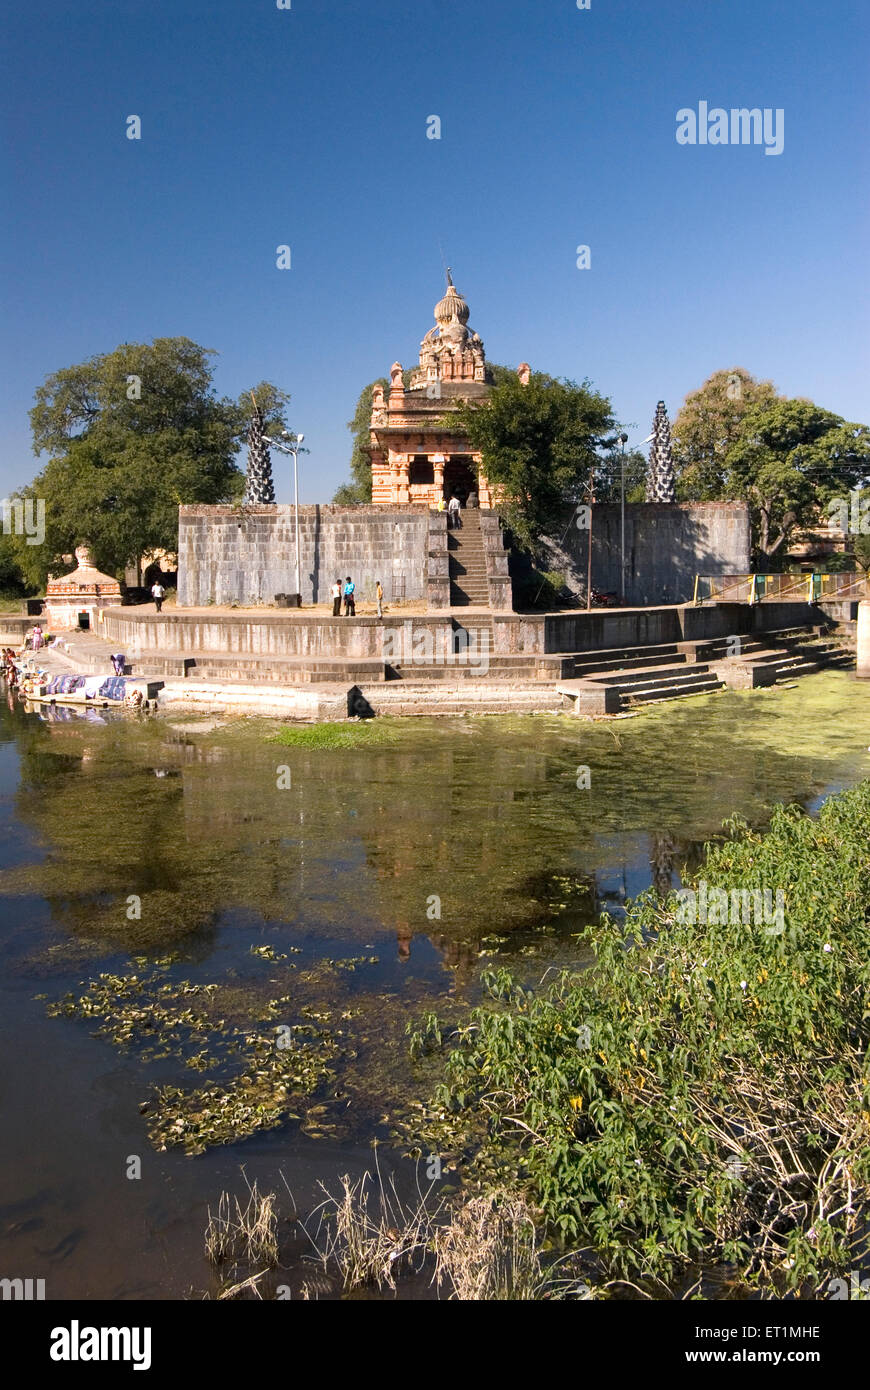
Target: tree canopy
x=790, y=459
x=736, y=438
x=708, y=424
x=540, y=444
x=132, y=434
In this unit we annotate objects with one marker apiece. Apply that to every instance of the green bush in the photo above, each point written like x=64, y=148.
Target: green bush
x=699, y=1096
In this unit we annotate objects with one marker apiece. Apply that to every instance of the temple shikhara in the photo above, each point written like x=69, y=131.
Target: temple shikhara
x=416, y=455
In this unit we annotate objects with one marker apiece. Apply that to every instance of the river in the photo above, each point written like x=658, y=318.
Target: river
x=335, y=892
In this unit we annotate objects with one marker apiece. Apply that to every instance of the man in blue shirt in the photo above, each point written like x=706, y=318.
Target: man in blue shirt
x=349, y=601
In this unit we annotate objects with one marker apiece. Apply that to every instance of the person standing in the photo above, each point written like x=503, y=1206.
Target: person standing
x=379, y=594
x=336, y=599
x=158, y=593
x=349, y=600
x=453, y=512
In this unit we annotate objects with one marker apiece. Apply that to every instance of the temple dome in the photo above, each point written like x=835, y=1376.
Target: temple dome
x=452, y=306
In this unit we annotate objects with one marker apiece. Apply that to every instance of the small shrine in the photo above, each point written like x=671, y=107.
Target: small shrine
x=416, y=456
x=74, y=600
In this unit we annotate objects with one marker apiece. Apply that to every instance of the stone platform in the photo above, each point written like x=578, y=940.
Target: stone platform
x=309, y=665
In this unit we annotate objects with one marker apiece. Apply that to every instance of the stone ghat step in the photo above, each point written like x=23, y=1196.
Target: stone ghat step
x=652, y=675
x=677, y=678
x=279, y=670
x=484, y=699
x=589, y=667
x=471, y=671
x=645, y=697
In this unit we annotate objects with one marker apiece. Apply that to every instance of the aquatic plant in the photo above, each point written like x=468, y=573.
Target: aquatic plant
x=264, y=1070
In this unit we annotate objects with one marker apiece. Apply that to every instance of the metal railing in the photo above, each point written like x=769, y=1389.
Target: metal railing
x=755, y=588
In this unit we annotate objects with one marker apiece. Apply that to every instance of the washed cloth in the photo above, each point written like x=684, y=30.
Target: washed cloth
x=114, y=688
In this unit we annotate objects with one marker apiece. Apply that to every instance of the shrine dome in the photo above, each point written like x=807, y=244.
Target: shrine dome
x=452, y=306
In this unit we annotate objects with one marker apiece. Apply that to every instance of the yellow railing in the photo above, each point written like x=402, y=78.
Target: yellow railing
x=755, y=588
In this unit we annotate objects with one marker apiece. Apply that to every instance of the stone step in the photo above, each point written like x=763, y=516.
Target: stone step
x=645, y=697
x=668, y=680
x=271, y=670
x=653, y=675
x=590, y=667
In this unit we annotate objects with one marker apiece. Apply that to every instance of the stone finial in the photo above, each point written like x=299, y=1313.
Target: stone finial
x=524, y=373
x=83, y=556
x=396, y=383
x=660, y=479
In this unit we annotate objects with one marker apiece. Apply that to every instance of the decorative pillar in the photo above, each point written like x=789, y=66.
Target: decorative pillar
x=397, y=389
x=437, y=461
x=404, y=479
x=864, y=639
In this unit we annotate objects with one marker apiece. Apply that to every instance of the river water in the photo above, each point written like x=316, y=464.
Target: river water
x=357, y=886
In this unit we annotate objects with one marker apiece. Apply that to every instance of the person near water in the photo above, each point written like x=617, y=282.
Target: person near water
x=37, y=642
x=158, y=593
x=453, y=509
x=379, y=595
x=336, y=599
x=349, y=600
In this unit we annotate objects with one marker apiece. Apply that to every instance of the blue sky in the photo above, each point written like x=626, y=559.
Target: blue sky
x=307, y=127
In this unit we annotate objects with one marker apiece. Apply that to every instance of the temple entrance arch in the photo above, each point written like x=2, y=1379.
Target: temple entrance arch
x=460, y=477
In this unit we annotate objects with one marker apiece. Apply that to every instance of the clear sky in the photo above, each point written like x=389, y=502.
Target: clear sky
x=308, y=127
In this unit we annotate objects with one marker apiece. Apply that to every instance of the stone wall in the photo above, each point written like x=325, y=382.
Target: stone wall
x=226, y=556
x=665, y=547
x=614, y=629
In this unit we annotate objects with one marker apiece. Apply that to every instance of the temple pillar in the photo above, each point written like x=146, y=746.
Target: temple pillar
x=437, y=461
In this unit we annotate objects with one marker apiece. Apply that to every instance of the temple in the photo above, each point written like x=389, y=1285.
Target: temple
x=417, y=455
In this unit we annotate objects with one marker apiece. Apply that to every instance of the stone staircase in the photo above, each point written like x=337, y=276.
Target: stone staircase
x=467, y=564
x=606, y=682
x=443, y=697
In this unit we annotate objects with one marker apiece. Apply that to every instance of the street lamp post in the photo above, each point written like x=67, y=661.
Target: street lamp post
x=623, y=439
x=294, y=450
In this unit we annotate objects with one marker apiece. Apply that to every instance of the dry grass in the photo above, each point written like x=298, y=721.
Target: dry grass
x=243, y=1233
x=369, y=1233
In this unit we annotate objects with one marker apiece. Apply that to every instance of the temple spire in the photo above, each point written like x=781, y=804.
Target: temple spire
x=660, y=482
x=259, y=487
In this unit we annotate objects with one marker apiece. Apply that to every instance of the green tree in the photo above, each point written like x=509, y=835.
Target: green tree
x=132, y=434
x=707, y=426
x=789, y=461
x=539, y=446
x=13, y=583
x=359, y=489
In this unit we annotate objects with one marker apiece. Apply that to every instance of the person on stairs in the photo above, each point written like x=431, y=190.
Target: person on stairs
x=453, y=511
